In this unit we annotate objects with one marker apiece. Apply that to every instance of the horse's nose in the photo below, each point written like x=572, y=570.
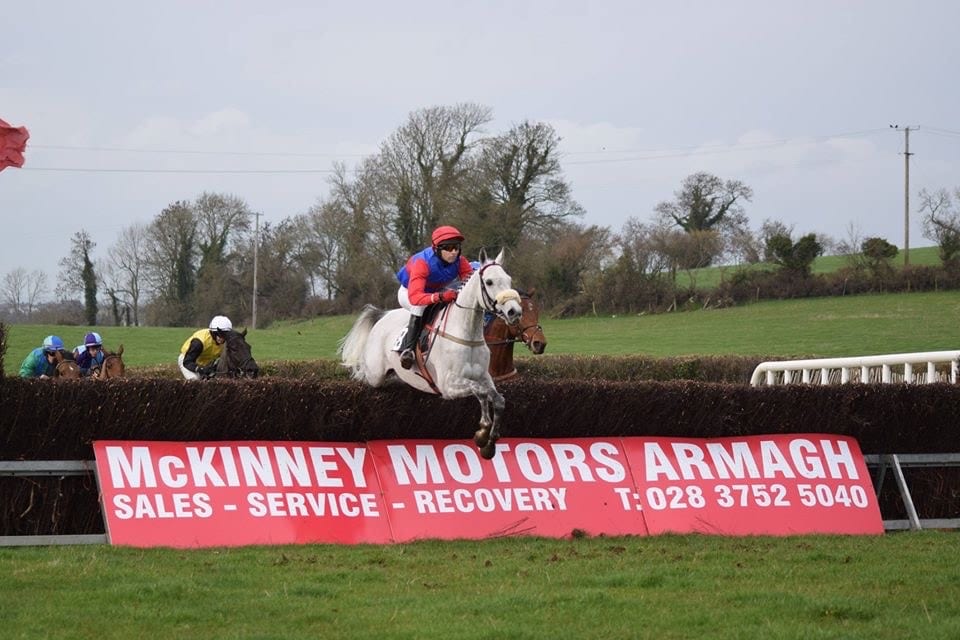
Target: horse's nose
x=512, y=315
x=538, y=346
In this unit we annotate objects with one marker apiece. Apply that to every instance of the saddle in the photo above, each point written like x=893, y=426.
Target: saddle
x=423, y=343
x=426, y=328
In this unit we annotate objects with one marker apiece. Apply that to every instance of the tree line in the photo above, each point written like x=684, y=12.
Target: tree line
x=197, y=258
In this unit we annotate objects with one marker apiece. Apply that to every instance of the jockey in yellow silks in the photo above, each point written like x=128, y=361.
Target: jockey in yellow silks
x=199, y=353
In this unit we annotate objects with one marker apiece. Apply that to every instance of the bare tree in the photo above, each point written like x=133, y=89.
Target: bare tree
x=420, y=164
x=220, y=218
x=640, y=249
x=124, y=273
x=686, y=251
x=282, y=283
x=324, y=233
x=742, y=245
x=941, y=223
x=223, y=223
x=171, y=253
x=563, y=263
x=22, y=291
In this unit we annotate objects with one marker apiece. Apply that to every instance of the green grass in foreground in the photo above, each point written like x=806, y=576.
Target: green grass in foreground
x=824, y=327
x=894, y=586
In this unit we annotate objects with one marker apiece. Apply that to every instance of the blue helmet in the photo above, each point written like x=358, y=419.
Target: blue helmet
x=93, y=339
x=52, y=343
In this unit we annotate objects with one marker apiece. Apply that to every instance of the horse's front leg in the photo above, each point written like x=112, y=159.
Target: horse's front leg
x=493, y=399
x=482, y=435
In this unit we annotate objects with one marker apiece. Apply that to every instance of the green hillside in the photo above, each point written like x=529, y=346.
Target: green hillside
x=710, y=277
x=824, y=327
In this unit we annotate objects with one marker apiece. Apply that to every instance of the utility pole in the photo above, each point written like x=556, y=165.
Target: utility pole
x=906, y=192
x=256, y=245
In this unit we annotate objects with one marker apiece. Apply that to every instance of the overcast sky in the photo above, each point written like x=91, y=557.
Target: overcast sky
x=132, y=106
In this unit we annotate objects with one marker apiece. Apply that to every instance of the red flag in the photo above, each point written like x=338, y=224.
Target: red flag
x=13, y=142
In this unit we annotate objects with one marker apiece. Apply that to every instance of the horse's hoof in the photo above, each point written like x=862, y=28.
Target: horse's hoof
x=488, y=450
x=481, y=437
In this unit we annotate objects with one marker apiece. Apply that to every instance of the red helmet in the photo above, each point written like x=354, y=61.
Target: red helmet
x=446, y=234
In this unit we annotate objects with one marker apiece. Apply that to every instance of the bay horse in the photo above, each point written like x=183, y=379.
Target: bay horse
x=112, y=365
x=64, y=367
x=236, y=359
x=501, y=337
x=457, y=363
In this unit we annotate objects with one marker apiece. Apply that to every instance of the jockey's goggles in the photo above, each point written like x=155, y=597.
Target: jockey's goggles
x=449, y=247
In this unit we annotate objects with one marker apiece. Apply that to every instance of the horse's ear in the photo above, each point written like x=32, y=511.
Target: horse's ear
x=483, y=255
x=531, y=291
x=244, y=332
x=119, y=351
x=499, y=258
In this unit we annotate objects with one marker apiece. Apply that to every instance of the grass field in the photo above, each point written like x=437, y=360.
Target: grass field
x=822, y=327
x=904, y=585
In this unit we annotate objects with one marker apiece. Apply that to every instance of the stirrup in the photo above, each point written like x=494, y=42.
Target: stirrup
x=407, y=358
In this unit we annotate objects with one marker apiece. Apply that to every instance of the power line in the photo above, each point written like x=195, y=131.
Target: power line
x=939, y=131
x=283, y=154
x=765, y=143
x=632, y=155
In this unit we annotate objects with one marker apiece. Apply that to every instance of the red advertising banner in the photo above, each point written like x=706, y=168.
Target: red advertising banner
x=444, y=489
x=194, y=494
x=777, y=485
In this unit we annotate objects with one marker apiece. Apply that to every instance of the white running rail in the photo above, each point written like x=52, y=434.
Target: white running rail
x=935, y=366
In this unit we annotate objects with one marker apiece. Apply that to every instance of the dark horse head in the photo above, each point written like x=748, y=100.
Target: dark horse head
x=236, y=360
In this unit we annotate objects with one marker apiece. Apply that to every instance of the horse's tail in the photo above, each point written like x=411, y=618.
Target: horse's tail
x=354, y=344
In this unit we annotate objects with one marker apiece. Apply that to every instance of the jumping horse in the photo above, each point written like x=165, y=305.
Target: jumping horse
x=236, y=359
x=501, y=337
x=456, y=365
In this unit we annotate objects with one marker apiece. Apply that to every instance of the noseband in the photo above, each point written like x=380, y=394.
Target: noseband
x=521, y=335
x=488, y=302
x=240, y=369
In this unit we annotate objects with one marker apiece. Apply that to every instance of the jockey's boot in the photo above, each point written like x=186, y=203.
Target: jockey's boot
x=407, y=349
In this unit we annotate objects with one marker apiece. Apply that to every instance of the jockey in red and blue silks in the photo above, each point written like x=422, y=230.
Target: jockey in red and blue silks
x=422, y=281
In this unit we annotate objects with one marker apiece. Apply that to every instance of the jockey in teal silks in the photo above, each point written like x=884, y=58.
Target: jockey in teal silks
x=42, y=361
x=422, y=281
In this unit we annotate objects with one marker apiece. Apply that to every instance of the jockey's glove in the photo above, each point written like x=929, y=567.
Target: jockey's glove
x=447, y=295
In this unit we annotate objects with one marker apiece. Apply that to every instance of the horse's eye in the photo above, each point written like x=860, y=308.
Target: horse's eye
x=488, y=282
